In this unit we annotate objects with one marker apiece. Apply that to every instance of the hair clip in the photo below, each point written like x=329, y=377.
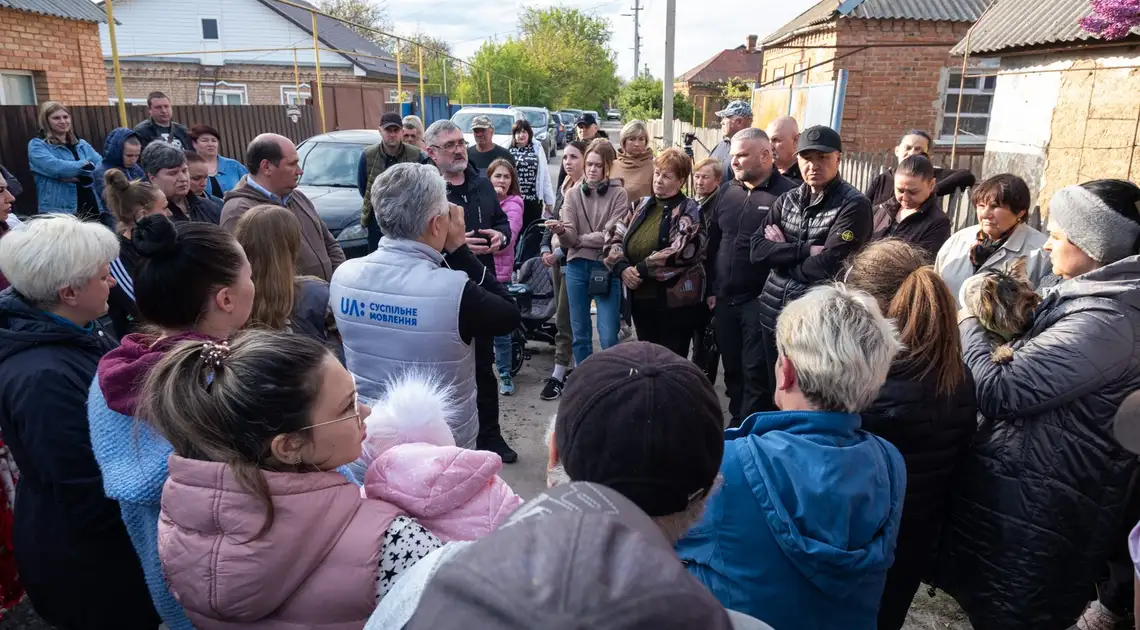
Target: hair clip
x=214, y=353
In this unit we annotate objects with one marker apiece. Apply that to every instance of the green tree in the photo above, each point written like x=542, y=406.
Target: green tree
x=360, y=12
x=436, y=61
x=737, y=89
x=572, y=48
x=641, y=99
x=514, y=76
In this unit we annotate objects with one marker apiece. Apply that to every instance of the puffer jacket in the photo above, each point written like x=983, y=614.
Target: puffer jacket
x=56, y=173
x=505, y=258
x=454, y=493
x=1044, y=487
x=933, y=433
x=315, y=567
x=840, y=220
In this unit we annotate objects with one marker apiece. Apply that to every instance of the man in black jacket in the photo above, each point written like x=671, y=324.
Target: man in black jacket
x=810, y=231
x=737, y=281
x=161, y=126
x=489, y=231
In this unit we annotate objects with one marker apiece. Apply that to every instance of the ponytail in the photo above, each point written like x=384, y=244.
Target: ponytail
x=126, y=199
x=926, y=315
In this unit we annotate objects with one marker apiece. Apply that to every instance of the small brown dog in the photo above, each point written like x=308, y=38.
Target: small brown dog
x=1003, y=300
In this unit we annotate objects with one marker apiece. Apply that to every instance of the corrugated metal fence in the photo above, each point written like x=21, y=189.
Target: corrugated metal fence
x=237, y=126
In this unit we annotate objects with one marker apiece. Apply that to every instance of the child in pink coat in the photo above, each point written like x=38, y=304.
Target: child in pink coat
x=414, y=464
x=506, y=182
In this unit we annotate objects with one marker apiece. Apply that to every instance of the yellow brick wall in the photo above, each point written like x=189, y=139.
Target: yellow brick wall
x=64, y=55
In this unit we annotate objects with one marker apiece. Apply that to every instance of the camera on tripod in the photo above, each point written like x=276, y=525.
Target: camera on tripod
x=689, y=138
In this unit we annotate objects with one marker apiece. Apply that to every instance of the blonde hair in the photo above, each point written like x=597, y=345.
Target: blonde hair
x=271, y=238
x=910, y=292
x=632, y=129
x=716, y=165
x=46, y=110
x=126, y=199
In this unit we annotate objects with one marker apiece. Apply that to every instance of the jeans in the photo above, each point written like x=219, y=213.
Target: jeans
x=563, y=340
x=609, y=308
x=503, y=353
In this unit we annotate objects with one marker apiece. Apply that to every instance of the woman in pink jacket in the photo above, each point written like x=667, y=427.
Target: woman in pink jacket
x=506, y=182
x=414, y=464
x=256, y=526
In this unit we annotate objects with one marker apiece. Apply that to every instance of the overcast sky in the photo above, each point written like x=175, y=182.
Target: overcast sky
x=704, y=27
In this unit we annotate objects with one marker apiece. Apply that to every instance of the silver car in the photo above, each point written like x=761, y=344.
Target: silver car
x=544, y=128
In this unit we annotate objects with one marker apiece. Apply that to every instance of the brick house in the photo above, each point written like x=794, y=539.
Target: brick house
x=1067, y=103
x=245, y=53
x=889, y=89
x=705, y=82
x=50, y=52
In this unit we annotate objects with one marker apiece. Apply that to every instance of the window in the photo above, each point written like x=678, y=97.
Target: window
x=800, y=77
x=17, y=88
x=503, y=122
x=210, y=29
x=128, y=101
x=976, y=96
x=329, y=163
x=778, y=76
x=221, y=93
x=289, y=95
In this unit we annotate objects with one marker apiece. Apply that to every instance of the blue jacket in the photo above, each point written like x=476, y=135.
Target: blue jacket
x=803, y=529
x=53, y=163
x=132, y=457
x=229, y=174
x=113, y=158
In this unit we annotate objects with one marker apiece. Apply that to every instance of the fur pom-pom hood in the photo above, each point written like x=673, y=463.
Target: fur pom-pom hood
x=416, y=407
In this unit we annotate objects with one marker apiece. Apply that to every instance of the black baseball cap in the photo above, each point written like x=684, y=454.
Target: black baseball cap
x=578, y=556
x=391, y=119
x=644, y=421
x=586, y=120
x=819, y=138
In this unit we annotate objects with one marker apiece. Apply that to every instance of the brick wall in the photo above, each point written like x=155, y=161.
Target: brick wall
x=890, y=90
x=64, y=55
x=262, y=83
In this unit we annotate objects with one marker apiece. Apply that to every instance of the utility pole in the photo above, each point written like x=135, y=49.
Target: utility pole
x=667, y=80
x=636, y=15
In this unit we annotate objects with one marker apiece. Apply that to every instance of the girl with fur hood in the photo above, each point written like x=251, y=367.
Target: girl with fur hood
x=414, y=464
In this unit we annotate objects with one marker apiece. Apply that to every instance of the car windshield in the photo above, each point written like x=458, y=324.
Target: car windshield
x=569, y=118
x=502, y=122
x=537, y=119
x=330, y=163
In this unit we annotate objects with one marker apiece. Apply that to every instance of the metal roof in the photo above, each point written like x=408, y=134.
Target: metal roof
x=934, y=10
x=80, y=10
x=1017, y=24
x=336, y=35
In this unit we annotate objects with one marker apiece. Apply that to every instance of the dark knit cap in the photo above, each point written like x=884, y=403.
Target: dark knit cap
x=644, y=421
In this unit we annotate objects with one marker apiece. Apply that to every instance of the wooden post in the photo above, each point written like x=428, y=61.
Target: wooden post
x=490, y=100
x=510, y=94
x=961, y=86
x=115, y=64
x=320, y=84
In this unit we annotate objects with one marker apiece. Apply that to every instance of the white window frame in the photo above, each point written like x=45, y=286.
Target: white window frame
x=201, y=27
x=946, y=136
x=799, y=77
x=291, y=90
x=206, y=92
x=22, y=73
x=129, y=101
x=779, y=74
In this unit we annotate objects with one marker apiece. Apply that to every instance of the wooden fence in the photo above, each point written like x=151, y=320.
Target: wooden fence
x=238, y=125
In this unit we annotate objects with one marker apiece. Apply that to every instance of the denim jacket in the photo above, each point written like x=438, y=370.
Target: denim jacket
x=52, y=164
x=229, y=174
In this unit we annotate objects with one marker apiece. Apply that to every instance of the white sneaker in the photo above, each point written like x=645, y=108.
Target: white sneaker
x=593, y=308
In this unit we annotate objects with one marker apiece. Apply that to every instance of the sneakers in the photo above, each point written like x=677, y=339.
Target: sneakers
x=1096, y=617
x=496, y=444
x=552, y=390
x=506, y=383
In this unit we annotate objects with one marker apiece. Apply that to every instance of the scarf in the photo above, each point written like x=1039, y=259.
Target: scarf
x=986, y=247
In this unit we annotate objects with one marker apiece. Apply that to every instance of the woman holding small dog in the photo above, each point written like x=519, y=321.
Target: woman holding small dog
x=1001, y=236
x=1044, y=491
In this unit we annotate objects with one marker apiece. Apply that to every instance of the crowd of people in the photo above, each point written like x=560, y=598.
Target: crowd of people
x=212, y=419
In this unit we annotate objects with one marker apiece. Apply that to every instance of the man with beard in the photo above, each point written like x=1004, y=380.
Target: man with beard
x=489, y=231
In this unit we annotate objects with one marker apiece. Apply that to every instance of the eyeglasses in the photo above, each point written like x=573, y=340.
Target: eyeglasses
x=452, y=146
x=355, y=414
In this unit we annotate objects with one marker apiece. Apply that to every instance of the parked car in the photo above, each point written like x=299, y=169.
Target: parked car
x=596, y=116
x=502, y=118
x=572, y=123
x=543, y=124
x=560, y=128
x=329, y=163
x=613, y=114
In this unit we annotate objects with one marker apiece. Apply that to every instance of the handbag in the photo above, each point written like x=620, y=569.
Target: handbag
x=687, y=289
x=600, y=281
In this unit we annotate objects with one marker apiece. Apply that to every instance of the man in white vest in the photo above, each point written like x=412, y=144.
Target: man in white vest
x=409, y=306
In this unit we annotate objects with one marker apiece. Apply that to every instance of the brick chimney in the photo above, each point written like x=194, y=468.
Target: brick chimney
x=750, y=46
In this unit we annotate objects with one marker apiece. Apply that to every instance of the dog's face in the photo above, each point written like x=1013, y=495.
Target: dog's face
x=1002, y=299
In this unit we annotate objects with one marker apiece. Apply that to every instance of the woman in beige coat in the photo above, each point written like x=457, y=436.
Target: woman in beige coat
x=634, y=162
x=589, y=210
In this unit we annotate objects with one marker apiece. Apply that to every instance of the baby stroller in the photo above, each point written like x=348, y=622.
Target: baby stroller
x=533, y=293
